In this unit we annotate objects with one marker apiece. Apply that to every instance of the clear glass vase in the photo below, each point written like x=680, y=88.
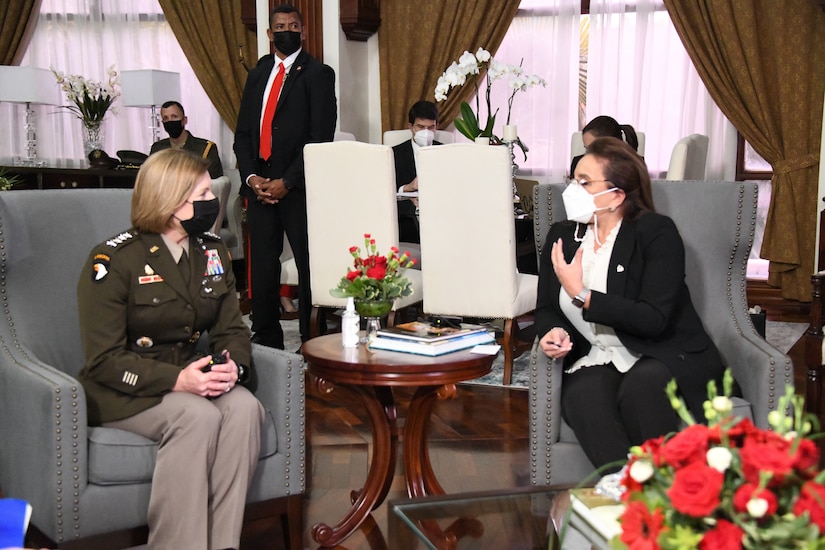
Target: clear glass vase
x=92, y=136
x=372, y=311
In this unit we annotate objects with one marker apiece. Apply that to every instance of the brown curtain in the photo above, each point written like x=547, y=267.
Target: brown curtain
x=418, y=40
x=211, y=34
x=763, y=63
x=17, y=23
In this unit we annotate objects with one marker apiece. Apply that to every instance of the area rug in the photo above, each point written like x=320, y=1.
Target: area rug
x=781, y=335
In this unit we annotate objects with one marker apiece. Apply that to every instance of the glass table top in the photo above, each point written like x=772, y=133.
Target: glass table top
x=513, y=518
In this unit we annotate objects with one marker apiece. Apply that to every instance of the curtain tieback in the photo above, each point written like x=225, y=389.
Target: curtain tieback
x=792, y=165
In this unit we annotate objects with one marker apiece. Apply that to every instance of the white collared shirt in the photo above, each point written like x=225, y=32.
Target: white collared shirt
x=605, y=346
x=415, y=148
x=287, y=63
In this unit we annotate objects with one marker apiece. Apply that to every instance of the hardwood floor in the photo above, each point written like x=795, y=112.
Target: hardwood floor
x=478, y=441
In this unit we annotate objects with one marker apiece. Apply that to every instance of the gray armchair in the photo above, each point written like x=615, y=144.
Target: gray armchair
x=85, y=482
x=716, y=221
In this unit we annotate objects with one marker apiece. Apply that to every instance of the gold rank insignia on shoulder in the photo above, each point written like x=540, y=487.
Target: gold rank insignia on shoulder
x=153, y=249
x=144, y=342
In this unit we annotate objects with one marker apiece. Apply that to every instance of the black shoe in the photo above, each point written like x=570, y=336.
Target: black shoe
x=268, y=342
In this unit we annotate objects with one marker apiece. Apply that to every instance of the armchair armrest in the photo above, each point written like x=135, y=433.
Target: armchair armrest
x=815, y=346
x=761, y=371
x=281, y=391
x=43, y=436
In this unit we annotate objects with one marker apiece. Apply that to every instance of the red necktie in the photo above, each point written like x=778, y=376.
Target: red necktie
x=265, y=149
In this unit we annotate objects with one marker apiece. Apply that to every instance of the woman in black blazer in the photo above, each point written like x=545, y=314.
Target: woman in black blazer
x=614, y=306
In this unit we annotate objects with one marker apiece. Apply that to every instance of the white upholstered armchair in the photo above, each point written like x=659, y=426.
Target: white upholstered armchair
x=716, y=221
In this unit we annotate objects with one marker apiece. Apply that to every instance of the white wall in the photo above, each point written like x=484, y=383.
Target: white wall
x=357, y=83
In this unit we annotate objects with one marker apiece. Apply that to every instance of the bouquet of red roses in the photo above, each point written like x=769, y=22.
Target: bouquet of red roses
x=376, y=277
x=726, y=485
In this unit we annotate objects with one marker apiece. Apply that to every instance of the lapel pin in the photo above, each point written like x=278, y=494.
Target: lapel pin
x=619, y=268
x=148, y=270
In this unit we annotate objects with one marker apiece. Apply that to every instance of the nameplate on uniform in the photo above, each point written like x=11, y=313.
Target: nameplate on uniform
x=145, y=280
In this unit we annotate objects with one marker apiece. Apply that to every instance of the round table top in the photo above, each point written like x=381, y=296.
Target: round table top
x=328, y=359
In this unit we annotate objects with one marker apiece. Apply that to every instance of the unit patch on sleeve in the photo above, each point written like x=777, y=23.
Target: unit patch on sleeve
x=100, y=267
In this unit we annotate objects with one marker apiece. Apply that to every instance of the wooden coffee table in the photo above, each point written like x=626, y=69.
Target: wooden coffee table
x=371, y=377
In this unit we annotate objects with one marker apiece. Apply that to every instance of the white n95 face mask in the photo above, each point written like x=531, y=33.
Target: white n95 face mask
x=579, y=204
x=424, y=137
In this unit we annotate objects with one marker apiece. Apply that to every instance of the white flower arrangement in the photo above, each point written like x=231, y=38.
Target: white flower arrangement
x=91, y=99
x=468, y=67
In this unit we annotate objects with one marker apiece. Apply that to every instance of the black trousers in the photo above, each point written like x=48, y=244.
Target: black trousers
x=611, y=411
x=267, y=224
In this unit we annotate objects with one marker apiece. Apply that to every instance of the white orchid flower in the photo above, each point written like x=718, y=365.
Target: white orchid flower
x=483, y=55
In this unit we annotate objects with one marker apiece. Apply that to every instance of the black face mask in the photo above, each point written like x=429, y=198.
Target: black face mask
x=174, y=128
x=203, y=218
x=287, y=42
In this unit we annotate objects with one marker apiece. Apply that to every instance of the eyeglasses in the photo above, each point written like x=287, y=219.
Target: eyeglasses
x=583, y=181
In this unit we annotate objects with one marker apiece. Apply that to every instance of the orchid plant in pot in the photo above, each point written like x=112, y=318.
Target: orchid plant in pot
x=474, y=68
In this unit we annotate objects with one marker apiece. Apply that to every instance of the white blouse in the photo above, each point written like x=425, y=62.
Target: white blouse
x=605, y=346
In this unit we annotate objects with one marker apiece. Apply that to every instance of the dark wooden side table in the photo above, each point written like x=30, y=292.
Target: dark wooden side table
x=371, y=377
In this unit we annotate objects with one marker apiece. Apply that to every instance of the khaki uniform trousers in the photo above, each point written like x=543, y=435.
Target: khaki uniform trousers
x=207, y=453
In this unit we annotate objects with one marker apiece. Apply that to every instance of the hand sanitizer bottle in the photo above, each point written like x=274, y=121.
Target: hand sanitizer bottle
x=350, y=325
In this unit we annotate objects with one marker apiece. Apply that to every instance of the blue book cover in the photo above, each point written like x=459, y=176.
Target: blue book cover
x=14, y=520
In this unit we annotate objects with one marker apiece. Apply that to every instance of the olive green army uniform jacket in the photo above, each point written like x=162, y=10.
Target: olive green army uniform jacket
x=140, y=322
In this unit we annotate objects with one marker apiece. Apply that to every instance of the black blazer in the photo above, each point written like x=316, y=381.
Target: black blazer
x=405, y=172
x=306, y=113
x=647, y=303
x=405, y=162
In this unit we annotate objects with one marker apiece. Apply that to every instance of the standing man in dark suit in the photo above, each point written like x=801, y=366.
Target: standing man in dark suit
x=423, y=119
x=270, y=136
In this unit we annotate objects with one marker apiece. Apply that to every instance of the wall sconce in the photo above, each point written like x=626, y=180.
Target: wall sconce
x=28, y=85
x=149, y=88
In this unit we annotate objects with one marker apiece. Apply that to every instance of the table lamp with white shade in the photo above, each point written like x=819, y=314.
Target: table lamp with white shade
x=149, y=88
x=28, y=85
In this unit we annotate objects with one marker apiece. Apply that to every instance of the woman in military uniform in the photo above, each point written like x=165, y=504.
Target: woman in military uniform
x=144, y=298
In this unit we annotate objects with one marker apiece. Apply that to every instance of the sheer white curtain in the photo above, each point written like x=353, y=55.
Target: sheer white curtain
x=85, y=37
x=545, y=34
x=640, y=74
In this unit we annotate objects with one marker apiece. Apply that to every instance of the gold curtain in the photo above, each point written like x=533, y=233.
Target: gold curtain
x=17, y=23
x=764, y=65
x=418, y=40
x=211, y=35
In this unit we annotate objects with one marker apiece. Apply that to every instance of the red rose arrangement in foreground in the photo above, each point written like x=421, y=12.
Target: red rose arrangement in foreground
x=727, y=485
x=375, y=277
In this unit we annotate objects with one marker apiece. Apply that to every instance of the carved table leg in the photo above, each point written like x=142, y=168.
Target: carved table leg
x=421, y=480
x=380, y=407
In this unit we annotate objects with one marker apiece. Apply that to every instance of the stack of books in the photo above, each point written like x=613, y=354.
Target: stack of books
x=423, y=339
